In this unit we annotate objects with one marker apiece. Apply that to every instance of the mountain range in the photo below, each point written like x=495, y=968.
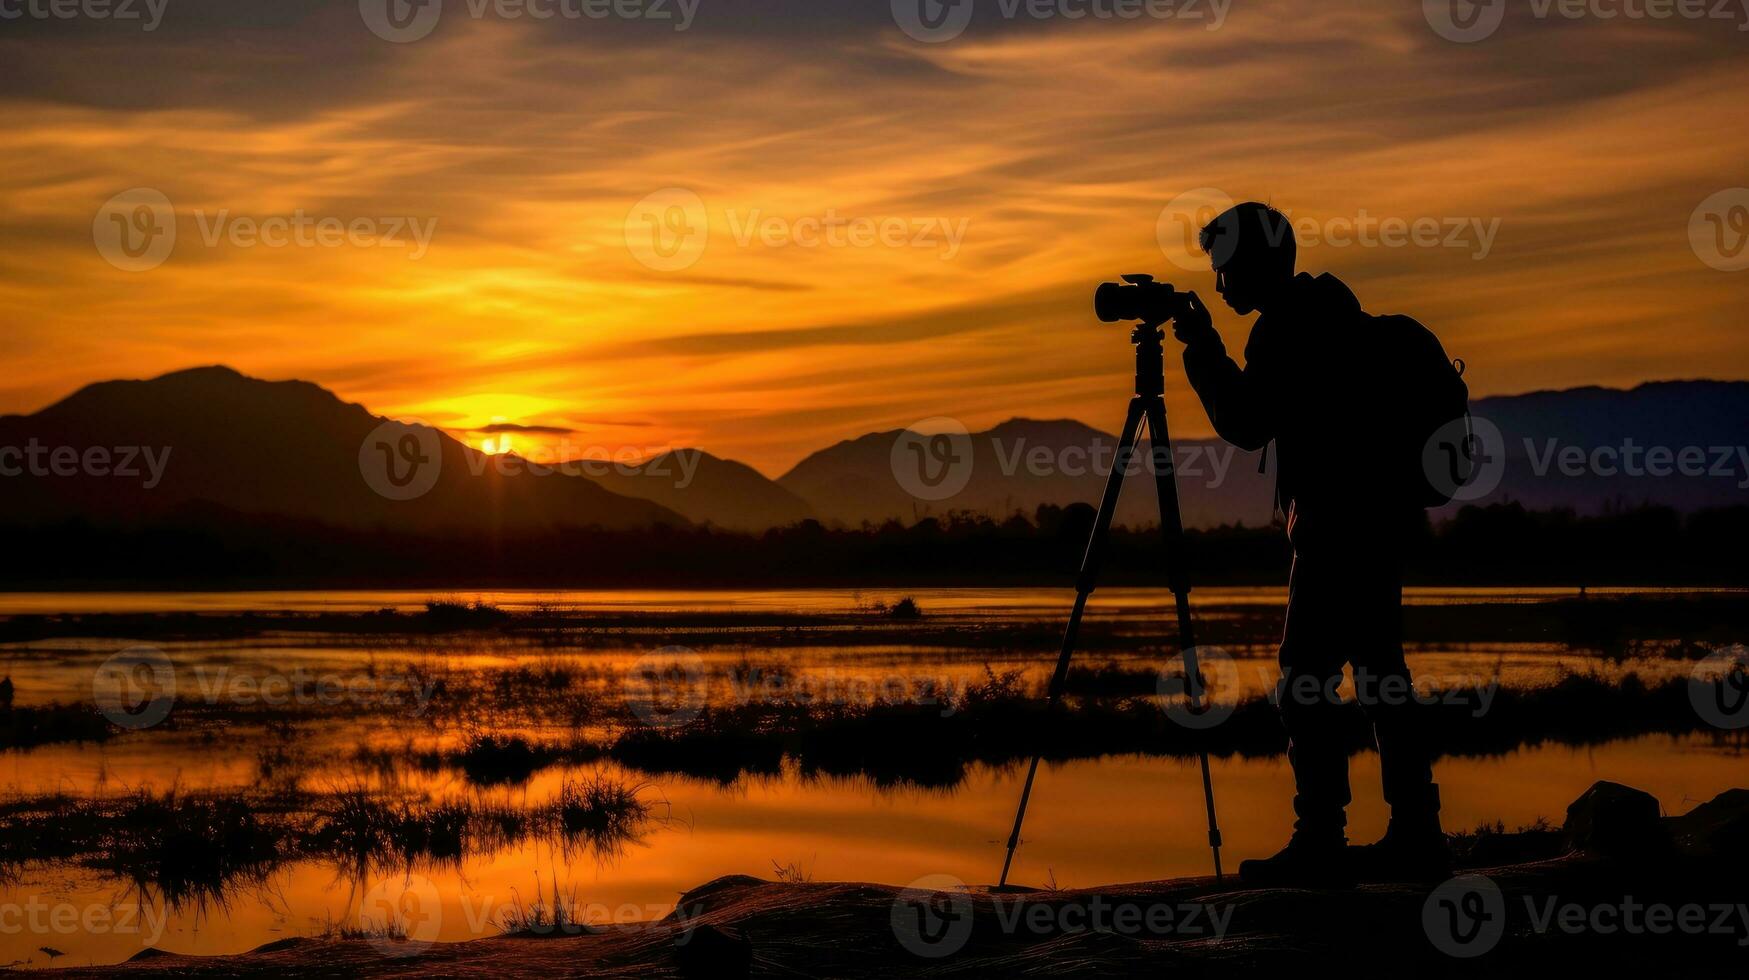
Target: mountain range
x=1022, y=464
x=211, y=437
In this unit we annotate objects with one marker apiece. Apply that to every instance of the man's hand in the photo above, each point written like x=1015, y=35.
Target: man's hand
x=1193, y=324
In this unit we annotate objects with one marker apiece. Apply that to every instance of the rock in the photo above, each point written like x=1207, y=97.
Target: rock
x=1716, y=829
x=708, y=952
x=278, y=945
x=694, y=901
x=1616, y=820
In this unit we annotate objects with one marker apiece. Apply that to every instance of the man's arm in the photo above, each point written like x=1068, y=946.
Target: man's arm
x=1237, y=400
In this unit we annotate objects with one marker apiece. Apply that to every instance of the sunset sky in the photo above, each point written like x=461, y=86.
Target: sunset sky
x=1026, y=160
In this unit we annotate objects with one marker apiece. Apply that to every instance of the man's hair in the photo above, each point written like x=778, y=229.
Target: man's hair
x=1256, y=235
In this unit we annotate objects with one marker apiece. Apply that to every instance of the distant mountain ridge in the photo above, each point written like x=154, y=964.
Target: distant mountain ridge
x=293, y=449
x=1610, y=431
x=706, y=489
x=1022, y=464
x=1616, y=431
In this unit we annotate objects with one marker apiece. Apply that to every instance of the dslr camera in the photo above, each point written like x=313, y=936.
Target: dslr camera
x=1138, y=297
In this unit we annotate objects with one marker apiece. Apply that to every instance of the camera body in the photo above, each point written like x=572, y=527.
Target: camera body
x=1138, y=297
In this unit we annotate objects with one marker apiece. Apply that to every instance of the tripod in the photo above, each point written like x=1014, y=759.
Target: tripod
x=1148, y=404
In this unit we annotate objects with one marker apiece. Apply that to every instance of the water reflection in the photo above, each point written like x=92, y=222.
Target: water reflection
x=522, y=769
x=1093, y=821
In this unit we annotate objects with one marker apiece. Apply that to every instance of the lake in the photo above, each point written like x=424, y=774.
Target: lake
x=1121, y=817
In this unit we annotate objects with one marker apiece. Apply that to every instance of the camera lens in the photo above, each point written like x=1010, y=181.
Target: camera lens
x=1112, y=301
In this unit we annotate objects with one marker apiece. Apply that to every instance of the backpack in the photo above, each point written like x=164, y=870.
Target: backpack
x=1431, y=439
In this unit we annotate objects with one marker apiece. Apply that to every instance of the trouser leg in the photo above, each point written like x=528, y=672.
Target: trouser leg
x=1311, y=667
x=1399, y=723
x=1385, y=690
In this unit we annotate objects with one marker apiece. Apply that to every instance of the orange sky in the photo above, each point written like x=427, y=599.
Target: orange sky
x=1046, y=150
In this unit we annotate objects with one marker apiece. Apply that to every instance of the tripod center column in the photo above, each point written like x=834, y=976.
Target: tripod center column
x=1150, y=366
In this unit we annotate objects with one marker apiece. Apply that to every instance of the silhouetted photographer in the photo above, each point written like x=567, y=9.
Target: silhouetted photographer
x=1351, y=402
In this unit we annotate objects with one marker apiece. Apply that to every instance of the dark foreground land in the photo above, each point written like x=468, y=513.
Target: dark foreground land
x=1617, y=891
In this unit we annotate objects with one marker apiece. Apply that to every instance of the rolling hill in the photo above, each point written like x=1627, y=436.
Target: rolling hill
x=280, y=448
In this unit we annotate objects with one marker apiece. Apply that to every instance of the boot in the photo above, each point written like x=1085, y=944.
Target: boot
x=1414, y=848
x=1306, y=862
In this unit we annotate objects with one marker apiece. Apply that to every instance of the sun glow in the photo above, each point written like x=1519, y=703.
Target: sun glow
x=1048, y=169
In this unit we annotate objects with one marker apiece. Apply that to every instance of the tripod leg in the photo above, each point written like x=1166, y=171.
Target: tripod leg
x=1172, y=528
x=1090, y=562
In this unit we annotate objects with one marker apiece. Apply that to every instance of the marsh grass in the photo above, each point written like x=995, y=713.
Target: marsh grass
x=1110, y=679
x=24, y=727
x=904, y=611
x=791, y=872
x=599, y=814
x=393, y=929
x=193, y=846
x=549, y=689
x=179, y=847
x=195, y=849
x=365, y=830
x=443, y=615
x=484, y=759
x=557, y=914
x=1001, y=720
x=39, y=828
x=493, y=759
x=1491, y=845
x=283, y=761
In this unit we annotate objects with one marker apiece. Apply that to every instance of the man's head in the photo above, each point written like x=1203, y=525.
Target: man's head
x=1252, y=248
